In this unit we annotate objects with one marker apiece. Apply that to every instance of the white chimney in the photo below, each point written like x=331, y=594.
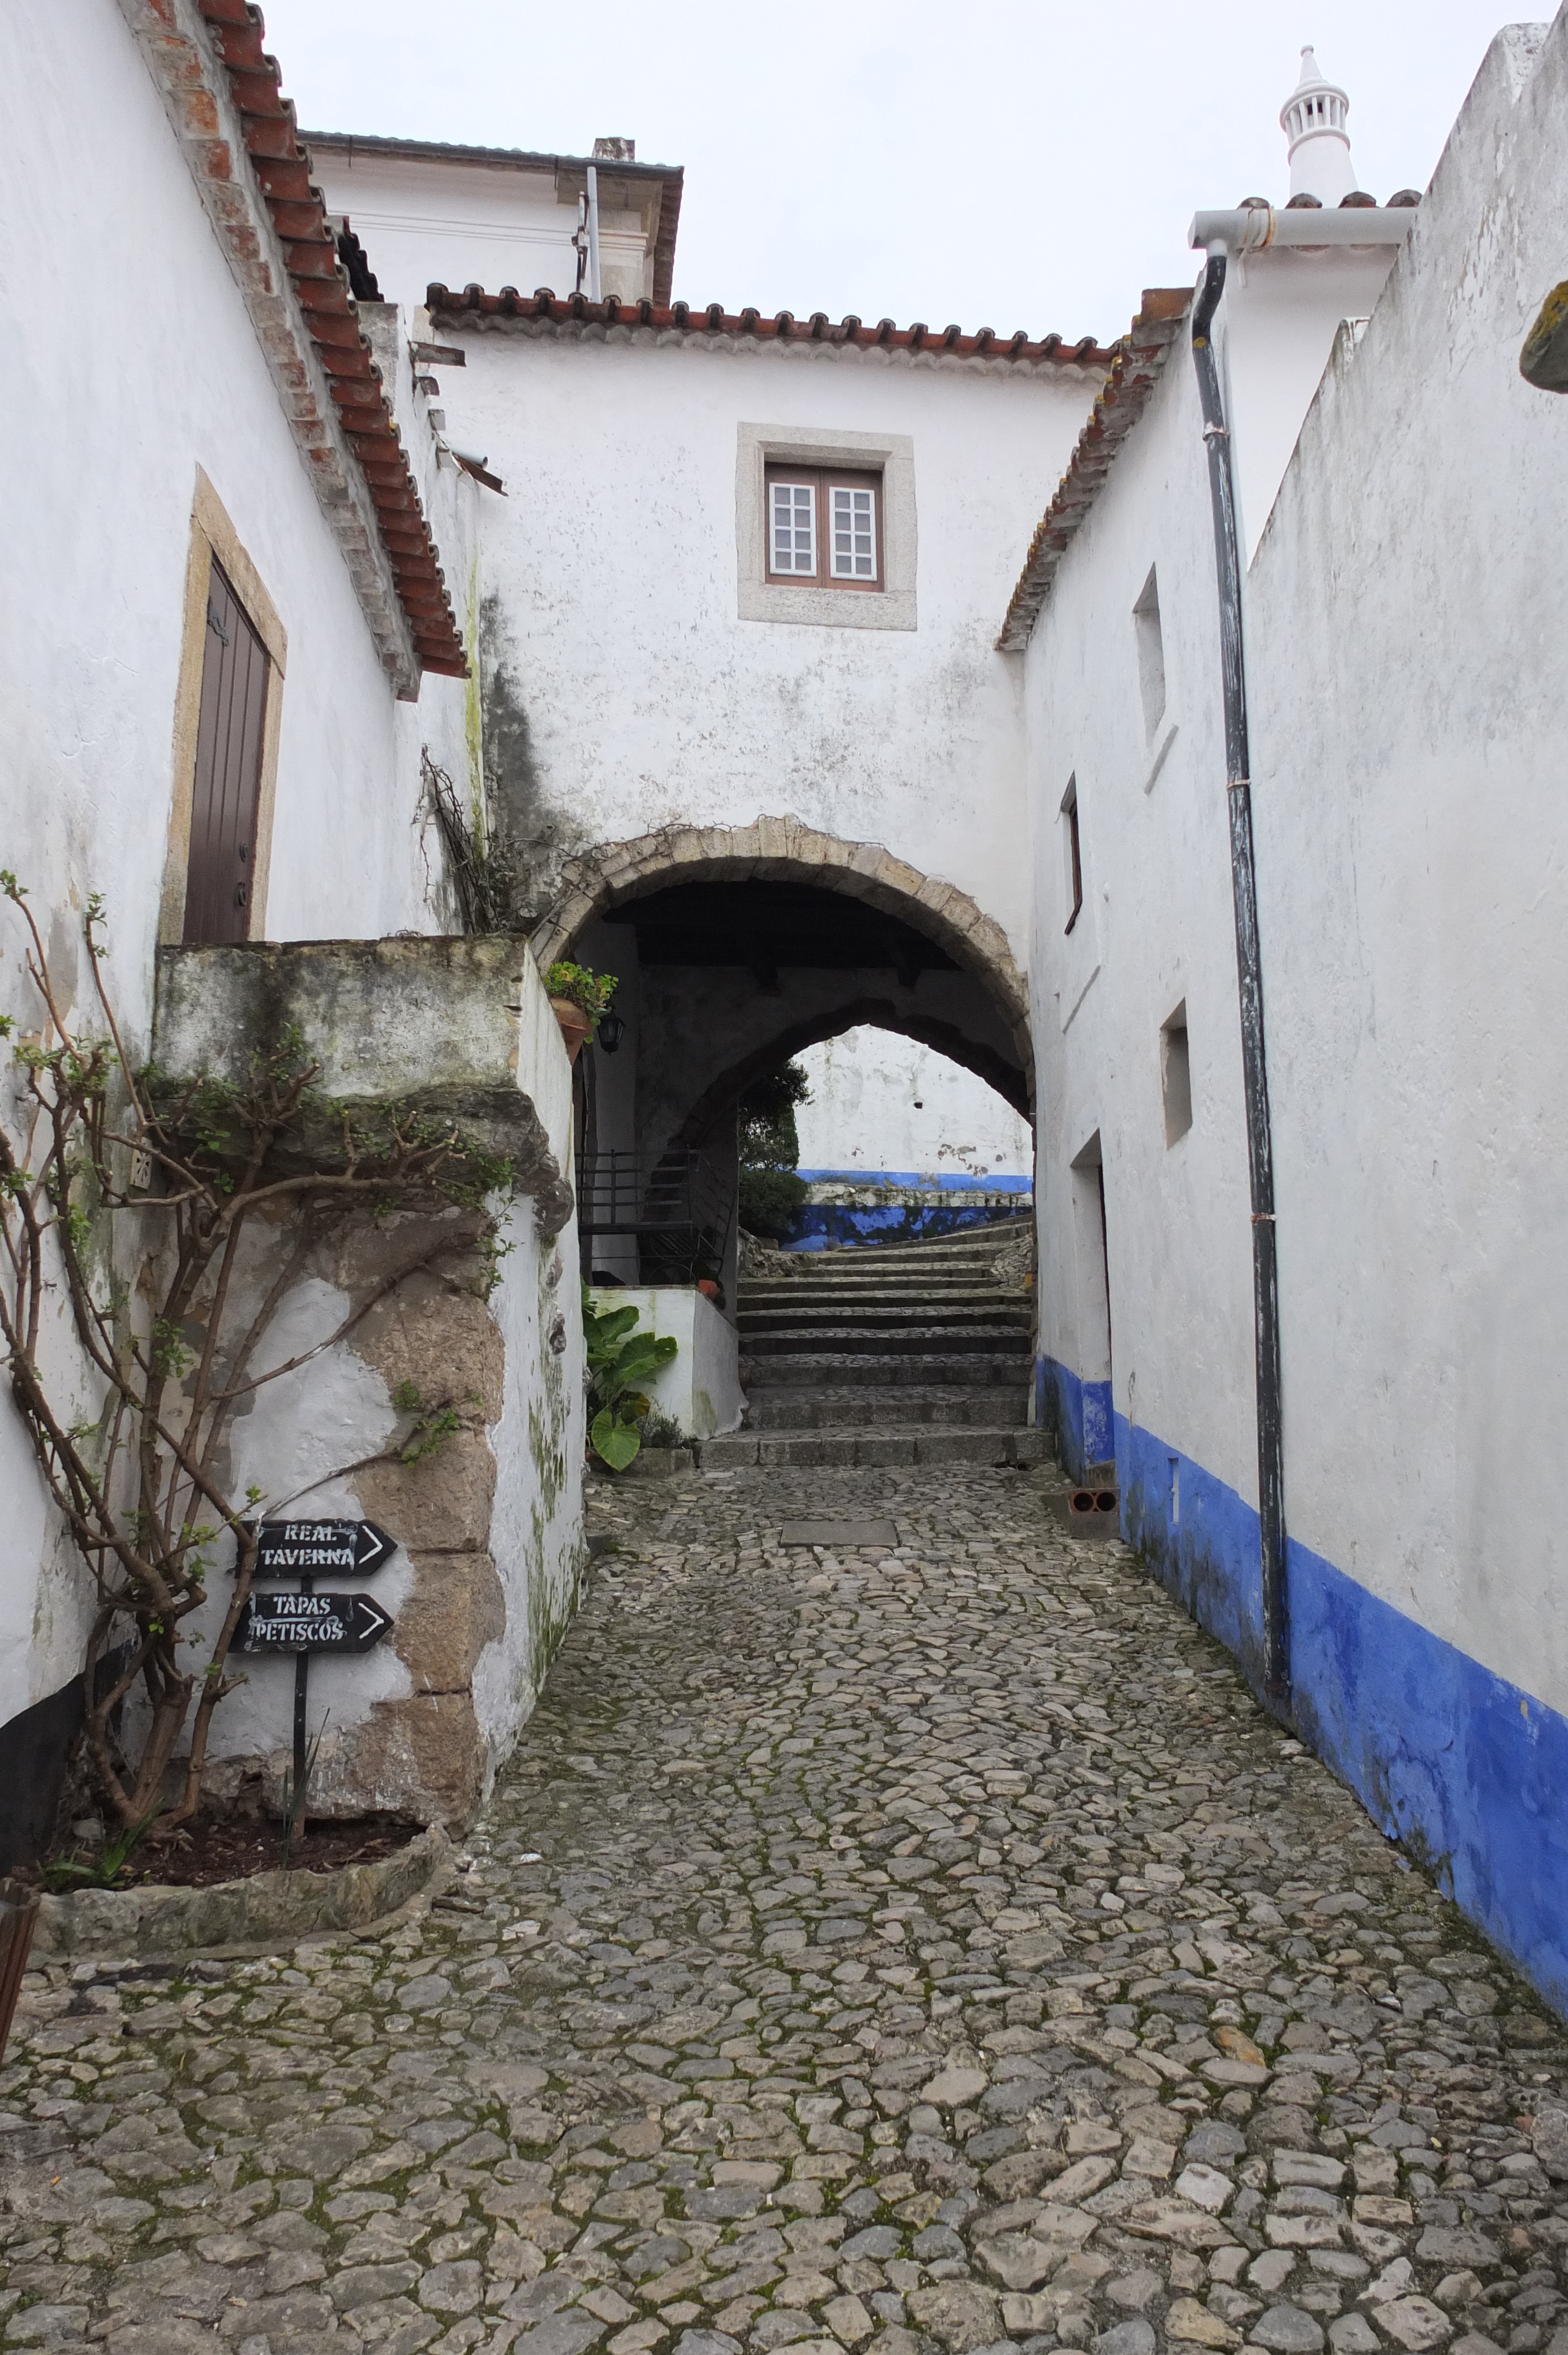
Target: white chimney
x=1313, y=119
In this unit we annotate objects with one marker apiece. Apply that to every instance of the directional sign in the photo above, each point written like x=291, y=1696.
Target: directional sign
x=317, y=1548
x=311, y=1622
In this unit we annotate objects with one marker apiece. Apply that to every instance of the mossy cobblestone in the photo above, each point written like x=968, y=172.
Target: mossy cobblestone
x=902, y=1952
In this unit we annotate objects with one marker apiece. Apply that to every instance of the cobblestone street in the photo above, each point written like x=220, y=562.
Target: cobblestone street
x=911, y=1948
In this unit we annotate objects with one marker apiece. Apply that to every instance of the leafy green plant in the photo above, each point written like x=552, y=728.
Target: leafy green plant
x=662, y=1430
x=592, y=991
x=432, y=1425
x=144, y=1204
x=620, y=1361
x=770, y=1190
x=102, y=1870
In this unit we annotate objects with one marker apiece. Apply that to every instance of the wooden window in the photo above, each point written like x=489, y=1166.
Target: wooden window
x=851, y=512
x=792, y=547
x=227, y=783
x=824, y=527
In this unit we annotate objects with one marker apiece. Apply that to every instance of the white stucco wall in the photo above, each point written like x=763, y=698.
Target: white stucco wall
x=649, y=701
x=453, y=222
x=134, y=362
x=1156, y=929
x=700, y=1387
x=879, y=1101
x=1283, y=310
x=1409, y=848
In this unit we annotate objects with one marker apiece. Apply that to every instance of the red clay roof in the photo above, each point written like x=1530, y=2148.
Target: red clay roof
x=712, y=319
x=1135, y=370
x=282, y=169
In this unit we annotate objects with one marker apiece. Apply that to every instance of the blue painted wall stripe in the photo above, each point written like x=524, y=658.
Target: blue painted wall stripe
x=941, y=1181
x=1470, y=1770
x=815, y=1225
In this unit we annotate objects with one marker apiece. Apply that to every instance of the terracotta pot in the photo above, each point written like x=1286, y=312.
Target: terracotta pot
x=575, y=1026
x=18, y=1912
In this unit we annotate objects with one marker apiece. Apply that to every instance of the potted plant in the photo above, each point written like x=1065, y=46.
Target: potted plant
x=580, y=999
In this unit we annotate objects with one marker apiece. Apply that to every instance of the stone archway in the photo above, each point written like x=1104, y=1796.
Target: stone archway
x=875, y=1013
x=785, y=849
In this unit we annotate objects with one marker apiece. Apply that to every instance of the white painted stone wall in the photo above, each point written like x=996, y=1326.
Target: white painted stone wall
x=134, y=362
x=1156, y=929
x=1406, y=671
x=650, y=701
x=427, y=219
x=1410, y=847
x=117, y=398
x=879, y=1101
x=1283, y=309
x=700, y=1387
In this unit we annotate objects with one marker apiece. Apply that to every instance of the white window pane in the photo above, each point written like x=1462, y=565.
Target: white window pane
x=852, y=556
x=793, y=528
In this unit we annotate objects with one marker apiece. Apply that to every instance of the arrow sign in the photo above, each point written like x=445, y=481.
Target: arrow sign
x=311, y=1622
x=316, y=1549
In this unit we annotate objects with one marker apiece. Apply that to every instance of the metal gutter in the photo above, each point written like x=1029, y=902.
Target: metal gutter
x=1249, y=979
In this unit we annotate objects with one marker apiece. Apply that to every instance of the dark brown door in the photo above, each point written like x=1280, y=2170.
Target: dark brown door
x=227, y=772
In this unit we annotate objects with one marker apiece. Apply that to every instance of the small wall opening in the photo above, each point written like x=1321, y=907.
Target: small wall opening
x=1176, y=1075
x=1150, y=652
x=1072, y=854
x=1091, y=1261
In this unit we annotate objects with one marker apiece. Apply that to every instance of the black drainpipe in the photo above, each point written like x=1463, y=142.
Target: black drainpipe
x=1249, y=978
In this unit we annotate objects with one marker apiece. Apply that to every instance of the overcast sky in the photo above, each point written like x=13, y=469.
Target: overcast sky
x=998, y=164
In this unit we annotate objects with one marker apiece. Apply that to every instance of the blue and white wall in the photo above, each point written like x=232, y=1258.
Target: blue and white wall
x=896, y=1141
x=1410, y=672
x=1406, y=667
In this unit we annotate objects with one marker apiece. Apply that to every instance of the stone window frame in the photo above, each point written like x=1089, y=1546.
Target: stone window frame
x=841, y=607
x=214, y=537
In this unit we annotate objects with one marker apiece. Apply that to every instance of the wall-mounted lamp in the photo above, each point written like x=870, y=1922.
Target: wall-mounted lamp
x=612, y=1031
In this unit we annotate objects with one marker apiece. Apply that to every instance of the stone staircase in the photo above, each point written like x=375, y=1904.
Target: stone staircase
x=896, y=1353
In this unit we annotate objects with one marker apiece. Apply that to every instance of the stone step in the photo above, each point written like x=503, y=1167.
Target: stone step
x=808, y=1293
x=972, y=1444
x=812, y=1369
x=936, y=1257
x=868, y=1315
x=865, y=1341
x=787, y=1407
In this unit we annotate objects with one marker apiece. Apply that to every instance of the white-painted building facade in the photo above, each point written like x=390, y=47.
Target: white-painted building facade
x=887, y=1110
x=1402, y=491
x=175, y=442
x=789, y=808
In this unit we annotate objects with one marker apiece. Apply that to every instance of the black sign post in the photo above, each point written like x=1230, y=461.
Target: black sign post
x=304, y=1622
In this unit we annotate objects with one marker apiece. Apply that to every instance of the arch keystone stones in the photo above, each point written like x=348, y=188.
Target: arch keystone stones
x=785, y=849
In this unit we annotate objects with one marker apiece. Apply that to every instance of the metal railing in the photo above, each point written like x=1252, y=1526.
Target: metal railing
x=678, y=1209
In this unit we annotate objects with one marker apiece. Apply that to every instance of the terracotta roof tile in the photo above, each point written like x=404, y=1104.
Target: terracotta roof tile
x=1135, y=370
x=320, y=283
x=544, y=310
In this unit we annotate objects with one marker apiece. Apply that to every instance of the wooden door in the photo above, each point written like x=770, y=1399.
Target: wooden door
x=221, y=876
